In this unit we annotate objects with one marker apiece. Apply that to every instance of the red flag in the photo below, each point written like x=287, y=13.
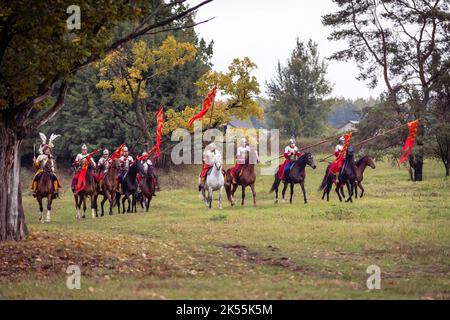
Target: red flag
x=207, y=103
x=81, y=184
x=159, y=132
x=409, y=143
x=347, y=138
x=118, y=153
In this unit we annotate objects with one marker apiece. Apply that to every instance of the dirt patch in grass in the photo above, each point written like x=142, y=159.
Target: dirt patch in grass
x=284, y=262
x=48, y=254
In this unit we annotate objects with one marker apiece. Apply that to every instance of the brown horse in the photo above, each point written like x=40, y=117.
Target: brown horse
x=109, y=187
x=45, y=189
x=247, y=177
x=89, y=191
x=361, y=165
x=146, y=185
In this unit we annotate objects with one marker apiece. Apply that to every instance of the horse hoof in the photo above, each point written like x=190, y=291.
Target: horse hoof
x=276, y=201
x=283, y=201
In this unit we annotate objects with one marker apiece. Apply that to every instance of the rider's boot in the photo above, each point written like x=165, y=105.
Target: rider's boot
x=34, y=188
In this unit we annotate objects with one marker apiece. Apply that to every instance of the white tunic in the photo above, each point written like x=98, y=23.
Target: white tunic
x=103, y=162
x=291, y=152
x=42, y=161
x=126, y=161
x=81, y=159
x=241, y=154
x=209, y=157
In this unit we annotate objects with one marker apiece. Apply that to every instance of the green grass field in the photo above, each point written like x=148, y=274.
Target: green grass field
x=181, y=250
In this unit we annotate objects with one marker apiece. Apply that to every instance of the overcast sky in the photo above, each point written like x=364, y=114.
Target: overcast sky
x=266, y=30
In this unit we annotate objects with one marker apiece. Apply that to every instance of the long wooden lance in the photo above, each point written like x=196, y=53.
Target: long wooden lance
x=369, y=139
x=307, y=147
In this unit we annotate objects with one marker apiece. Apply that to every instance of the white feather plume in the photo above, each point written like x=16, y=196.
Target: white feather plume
x=43, y=138
x=52, y=138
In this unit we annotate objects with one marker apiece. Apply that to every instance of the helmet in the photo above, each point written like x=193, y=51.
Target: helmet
x=341, y=139
x=125, y=149
x=105, y=152
x=291, y=141
x=84, y=147
x=212, y=146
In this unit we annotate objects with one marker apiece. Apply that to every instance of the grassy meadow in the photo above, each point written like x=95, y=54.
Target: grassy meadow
x=181, y=250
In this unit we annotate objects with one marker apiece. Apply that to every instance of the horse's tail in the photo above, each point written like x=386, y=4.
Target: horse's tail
x=275, y=183
x=325, y=179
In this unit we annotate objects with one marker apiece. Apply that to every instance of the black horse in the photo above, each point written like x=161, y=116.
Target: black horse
x=296, y=174
x=347, y=176
x=129, y=189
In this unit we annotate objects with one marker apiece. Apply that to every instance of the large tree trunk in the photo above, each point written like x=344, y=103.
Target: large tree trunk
x=12, y=218
x=416, y=163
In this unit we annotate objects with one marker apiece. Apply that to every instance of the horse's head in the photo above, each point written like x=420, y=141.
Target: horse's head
x=218, y=163
x=310, y=160
x=370, y=162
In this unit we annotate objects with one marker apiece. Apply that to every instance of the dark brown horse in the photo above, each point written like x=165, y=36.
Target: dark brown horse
x=297, y=174
x=247, y=178
x=109, y=187
x=146, y=185
x=45, y=189
x=361, y=165
x=89, y=191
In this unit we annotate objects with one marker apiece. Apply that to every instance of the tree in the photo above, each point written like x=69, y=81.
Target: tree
x=239, y=86
x=399, y=40
x=125, y=75
x=298, y=105
x=39, y=56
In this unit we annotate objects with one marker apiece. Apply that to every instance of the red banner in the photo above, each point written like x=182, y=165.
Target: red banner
x=81, y=184
x=159, y=132
x=207, y=103
x=347, y=138
x=409, y=143
x=118, y=153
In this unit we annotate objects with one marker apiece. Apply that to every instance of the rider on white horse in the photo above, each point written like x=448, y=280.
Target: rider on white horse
x=209, y=155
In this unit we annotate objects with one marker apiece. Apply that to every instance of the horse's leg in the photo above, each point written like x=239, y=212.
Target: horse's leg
x=243, y=195
x=338, y=186
x=49, y=207
x=41, y=209
x=93, y=206
x=84, y=206
x=124, y=197
x=302, y=184
x=105, y=197
x=292, y=192
x=252, y=186
x=235, y=186
x=220, y=198
x=276, y=190
x=362, y=189
x=210, y=191
x=149, y=199
x=350, y=192
x=284, y=191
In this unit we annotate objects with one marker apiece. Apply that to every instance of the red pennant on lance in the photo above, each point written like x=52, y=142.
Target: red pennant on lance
x=118, y=153
x=81, y=184
x=159, y=132
x=347, y=138
x=409, y=143
x=207, y=103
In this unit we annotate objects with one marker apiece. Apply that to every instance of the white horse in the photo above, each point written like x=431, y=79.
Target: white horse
x=214, y=181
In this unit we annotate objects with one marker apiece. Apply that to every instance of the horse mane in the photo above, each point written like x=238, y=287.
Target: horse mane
x=358, y=163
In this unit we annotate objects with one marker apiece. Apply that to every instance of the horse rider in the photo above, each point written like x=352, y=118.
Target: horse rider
x=209, y=155
x=125, y=162
x=103, y=166
x=80, y=159
x=243, y=151
x=39, y=164
x=291, y=153
x=340, y=159
x=146, y=164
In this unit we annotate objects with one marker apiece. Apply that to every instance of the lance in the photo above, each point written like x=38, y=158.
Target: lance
x=369, y=139
x=307, y=147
